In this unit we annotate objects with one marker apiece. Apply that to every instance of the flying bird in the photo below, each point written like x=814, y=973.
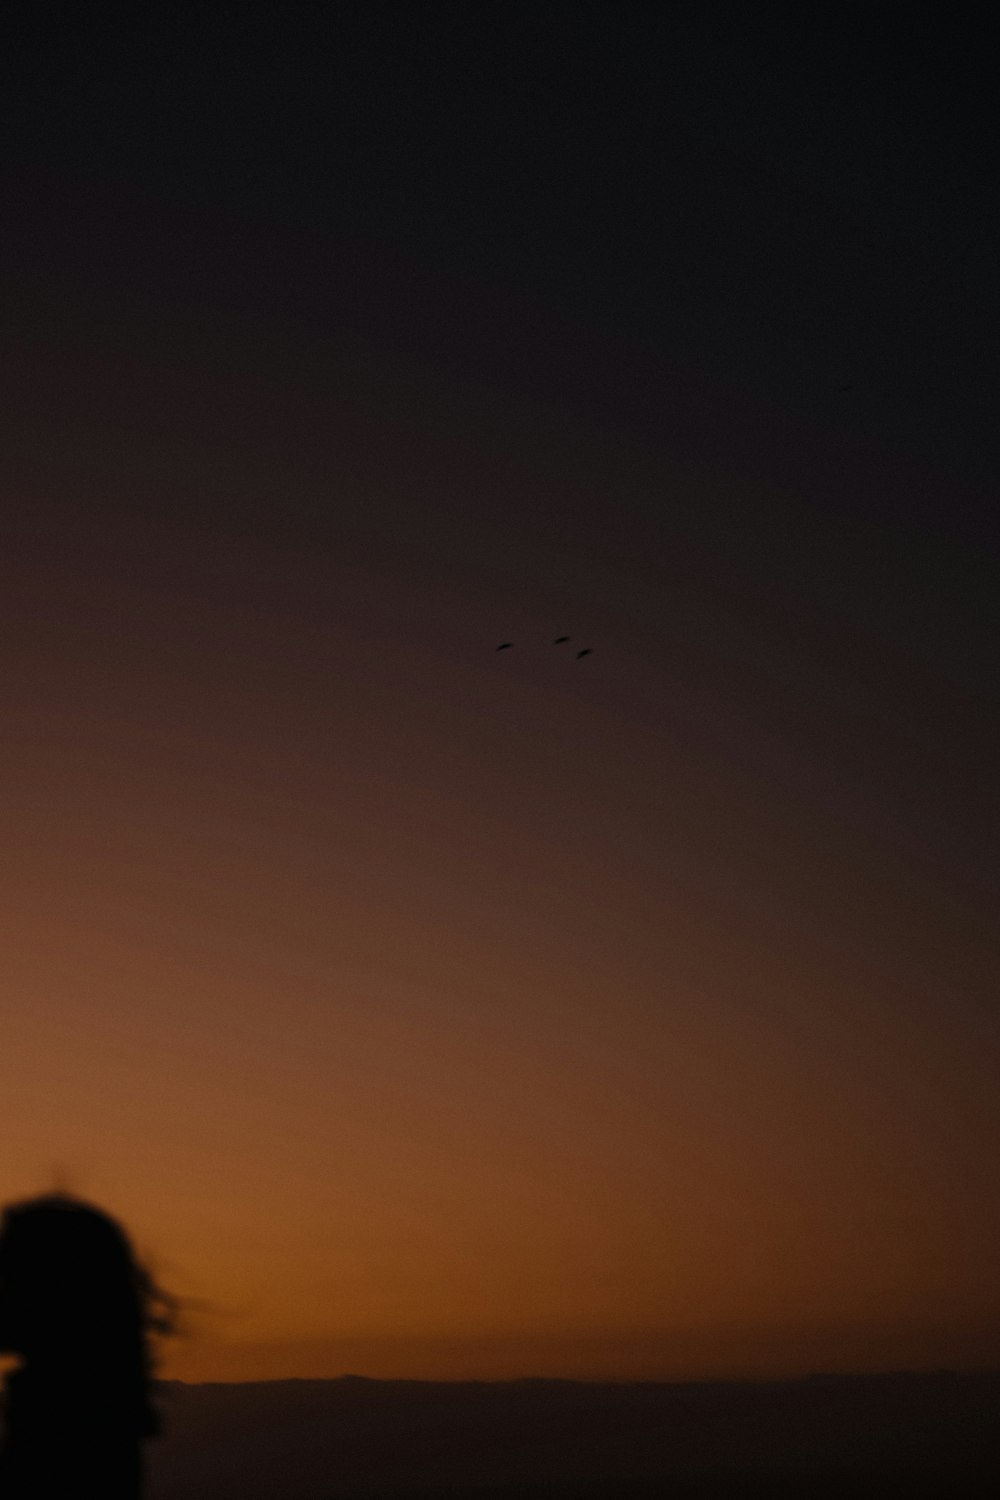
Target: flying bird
x=560, y=640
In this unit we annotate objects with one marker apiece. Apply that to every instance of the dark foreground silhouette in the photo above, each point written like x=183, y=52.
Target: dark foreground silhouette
x=853, y=1437
x=77, y=1310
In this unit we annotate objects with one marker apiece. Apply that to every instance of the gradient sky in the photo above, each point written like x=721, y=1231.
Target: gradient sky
x=428, y=1011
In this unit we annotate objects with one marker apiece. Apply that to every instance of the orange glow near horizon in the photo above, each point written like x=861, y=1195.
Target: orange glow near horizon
x=425, y=1016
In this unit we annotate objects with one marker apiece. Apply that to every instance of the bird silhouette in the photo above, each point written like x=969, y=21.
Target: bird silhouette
x=559, y=641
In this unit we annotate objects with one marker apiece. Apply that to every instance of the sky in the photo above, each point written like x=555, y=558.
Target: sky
x=431, y=1011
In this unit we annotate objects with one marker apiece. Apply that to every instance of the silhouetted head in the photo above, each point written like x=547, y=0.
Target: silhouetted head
x=72, y=1290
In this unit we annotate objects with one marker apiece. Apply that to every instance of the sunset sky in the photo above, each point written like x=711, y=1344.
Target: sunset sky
x=426, y=1010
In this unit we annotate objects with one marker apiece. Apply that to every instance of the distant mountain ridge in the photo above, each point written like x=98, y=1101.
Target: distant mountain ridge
x=936, y=1434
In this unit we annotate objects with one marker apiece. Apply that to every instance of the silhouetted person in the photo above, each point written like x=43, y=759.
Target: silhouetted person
x=79, y=1310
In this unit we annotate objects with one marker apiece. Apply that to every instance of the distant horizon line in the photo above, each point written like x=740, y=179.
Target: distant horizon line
x=899, y=1373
